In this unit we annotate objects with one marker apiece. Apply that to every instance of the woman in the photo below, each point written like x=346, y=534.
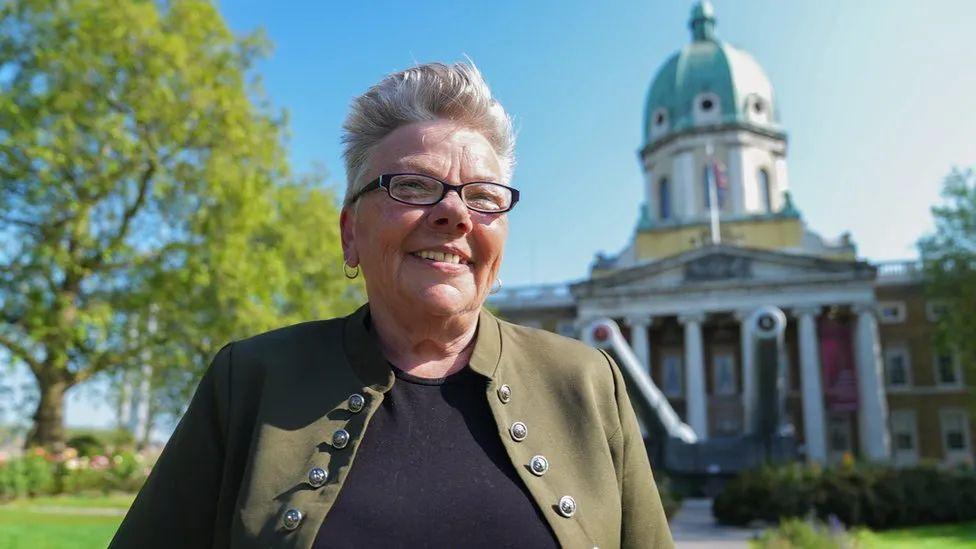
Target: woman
x=421, y=419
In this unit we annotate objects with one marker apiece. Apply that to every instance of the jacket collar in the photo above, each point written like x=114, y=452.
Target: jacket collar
x=363, y=351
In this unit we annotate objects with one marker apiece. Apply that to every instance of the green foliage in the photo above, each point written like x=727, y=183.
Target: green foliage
x=147, y=211
x=41, y=474
x=875, y=496
x=769, y=494
x=949, y=257
x=800, y=534
x=670, y=500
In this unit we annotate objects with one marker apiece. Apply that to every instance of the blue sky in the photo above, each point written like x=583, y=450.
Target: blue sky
x=878, y=98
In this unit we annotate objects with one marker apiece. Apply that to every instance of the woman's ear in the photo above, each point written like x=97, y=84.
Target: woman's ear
x=347, y=231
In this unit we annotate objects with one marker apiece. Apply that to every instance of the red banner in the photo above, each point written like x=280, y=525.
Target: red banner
x=837, y=360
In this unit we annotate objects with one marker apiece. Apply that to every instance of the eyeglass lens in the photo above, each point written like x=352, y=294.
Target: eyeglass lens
x=422, y=190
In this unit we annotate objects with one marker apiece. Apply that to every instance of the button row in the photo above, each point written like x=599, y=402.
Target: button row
x=318, y=476
x=539, y=465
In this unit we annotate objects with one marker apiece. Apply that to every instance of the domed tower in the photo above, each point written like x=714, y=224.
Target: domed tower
x=712, y=130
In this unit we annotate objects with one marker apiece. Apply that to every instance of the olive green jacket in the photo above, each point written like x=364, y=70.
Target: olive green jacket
x=266, y=410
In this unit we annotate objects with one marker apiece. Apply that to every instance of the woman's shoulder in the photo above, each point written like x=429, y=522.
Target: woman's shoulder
x=285, y=349
x=565, y=356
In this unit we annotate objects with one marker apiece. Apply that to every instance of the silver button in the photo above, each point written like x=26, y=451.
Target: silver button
x=356, y=403
x=317, y=476
x=292, y=518
x=340, y=438
x=539, y=465
x=567, y=506
x=519, y=431
x=504, y=394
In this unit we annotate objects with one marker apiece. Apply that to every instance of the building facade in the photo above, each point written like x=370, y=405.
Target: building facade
x=718, y=237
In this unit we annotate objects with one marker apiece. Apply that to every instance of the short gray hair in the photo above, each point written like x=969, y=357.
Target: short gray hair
x=426, y=92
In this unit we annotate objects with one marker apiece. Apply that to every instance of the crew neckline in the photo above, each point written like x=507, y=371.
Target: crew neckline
x=417, y=380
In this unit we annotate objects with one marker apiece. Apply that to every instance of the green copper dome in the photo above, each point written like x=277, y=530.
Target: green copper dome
x=708, y=82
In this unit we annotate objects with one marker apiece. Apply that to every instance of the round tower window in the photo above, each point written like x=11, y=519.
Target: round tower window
x=757, y=106
x=659, y=119
x=707, y=104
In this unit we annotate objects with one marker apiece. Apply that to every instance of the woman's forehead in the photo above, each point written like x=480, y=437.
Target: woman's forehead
x=438, y=148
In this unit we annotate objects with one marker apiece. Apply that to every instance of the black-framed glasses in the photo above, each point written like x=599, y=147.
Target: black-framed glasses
x=418, y=189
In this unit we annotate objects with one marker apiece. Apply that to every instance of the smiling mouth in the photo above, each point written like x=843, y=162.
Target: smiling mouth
x=441, y=257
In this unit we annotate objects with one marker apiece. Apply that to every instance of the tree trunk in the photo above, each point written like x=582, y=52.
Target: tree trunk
x=48, y=430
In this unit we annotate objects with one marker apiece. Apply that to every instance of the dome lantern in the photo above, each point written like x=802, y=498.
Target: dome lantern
x=702, y=22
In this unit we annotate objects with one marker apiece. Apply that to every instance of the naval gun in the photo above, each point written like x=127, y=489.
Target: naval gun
x=673, y=445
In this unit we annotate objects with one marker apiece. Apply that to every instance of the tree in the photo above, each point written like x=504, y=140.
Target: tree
x=147, y=212
x=949, y=258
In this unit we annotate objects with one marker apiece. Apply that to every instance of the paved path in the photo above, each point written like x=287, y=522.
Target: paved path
x=695, y=528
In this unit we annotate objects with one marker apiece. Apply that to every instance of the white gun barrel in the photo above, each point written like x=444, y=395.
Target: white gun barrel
x=604, y=333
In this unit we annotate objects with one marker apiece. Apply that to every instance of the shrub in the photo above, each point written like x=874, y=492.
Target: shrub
x=38, y=473
x=799, y=534
x=768, y=494
x=669, y=499
x=87, y=444
x=879, y=497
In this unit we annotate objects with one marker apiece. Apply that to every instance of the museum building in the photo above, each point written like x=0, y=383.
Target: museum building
x=717, y=237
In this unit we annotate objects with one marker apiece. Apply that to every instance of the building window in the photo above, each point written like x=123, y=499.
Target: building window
x=765, y=192
x=660, y=118
x=904, y=437
x=756, y=109
x=892, y=312
x=954, y=424
x=659, y=122
x=707, y=108
x=948, y=370
x=664, y=199
x=935, y=310
x=723, y=373
x=566, y=328
x=671, y=374
x=898, y=368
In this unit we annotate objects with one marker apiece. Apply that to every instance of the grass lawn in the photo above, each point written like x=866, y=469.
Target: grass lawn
x=56, y=522
x=941, y=536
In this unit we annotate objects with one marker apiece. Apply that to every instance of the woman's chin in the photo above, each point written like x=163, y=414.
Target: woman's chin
x=445, y=300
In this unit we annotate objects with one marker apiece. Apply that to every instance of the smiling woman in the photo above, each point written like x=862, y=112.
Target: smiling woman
x=421, y=419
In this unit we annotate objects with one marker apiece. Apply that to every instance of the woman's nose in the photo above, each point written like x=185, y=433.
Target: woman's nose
x=451, y=213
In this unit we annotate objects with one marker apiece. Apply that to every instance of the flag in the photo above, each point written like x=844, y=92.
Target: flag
x=721, y=181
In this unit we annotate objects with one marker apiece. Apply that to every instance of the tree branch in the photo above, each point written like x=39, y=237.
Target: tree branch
x=145, y=183
x=21, y=222
x=19, y=351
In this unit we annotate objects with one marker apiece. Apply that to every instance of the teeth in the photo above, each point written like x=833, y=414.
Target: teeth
x=439, y=256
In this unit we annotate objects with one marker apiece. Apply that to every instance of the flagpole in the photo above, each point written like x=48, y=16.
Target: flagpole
x=712, y=195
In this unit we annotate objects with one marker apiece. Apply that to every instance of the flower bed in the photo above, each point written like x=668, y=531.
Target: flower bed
x=40, y=473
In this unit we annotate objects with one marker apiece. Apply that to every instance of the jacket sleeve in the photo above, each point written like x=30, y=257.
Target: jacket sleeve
x=178, y=505
x=643, y=523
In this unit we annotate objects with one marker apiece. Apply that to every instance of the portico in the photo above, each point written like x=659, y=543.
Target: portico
x=685, y=319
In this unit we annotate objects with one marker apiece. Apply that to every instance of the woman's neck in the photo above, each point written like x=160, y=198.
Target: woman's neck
x=428, y=347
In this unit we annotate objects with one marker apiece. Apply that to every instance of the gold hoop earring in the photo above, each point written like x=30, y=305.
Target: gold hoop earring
x=496, y=288
x=349, y=272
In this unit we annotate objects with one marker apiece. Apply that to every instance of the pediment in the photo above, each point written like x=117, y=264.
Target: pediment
x=727, y=266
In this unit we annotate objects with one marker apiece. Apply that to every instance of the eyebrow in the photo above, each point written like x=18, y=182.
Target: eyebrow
x=425, y=169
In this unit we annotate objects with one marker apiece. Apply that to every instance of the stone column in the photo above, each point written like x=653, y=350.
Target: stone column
x=750, y=396
x=811, y=385
x=872, y=409
x=695, y=374
x=683, y=187
x=639, y=340
x=738, y=180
